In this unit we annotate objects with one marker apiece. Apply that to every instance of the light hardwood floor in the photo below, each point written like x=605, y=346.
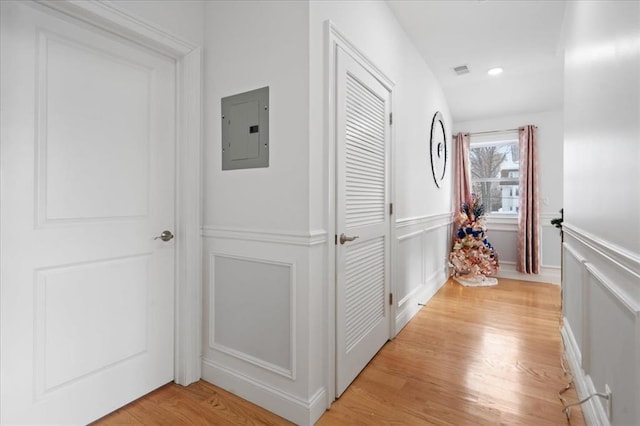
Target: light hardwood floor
x=472, y=356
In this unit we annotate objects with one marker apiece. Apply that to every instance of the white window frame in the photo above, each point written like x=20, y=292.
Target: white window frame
x=495, y=139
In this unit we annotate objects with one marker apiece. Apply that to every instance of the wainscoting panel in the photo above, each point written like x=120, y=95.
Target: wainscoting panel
x=602, y=325
x=263, y=338
x=410, y=265
x=573, y=293
x=253, y=316
x=421, y=265
x=611, y=346
x=505, y=243
x=503, y=234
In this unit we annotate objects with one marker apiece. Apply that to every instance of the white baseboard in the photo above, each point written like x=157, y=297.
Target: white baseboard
x=547, y=274
x=411, y=306
x=593, y=411
x=290, y=407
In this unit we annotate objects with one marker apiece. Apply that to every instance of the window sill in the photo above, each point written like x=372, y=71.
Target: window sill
x=502, y=222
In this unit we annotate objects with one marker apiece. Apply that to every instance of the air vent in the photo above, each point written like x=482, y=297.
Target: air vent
x=461, y=69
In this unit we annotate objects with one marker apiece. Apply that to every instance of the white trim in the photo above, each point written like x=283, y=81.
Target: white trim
x=569, y=341
x=188, y=318
x=421, y=295
x=411, y=234
x=294, y=408
x=108, y=16
x=307, y=239
x=593, y=412
x=625, y=301
x=437, y=220
x=621, y=257
x=573, y=252
x=335, y=38
x=330, y=166
x=288, y=373
x=188, y=326
x=548, y=274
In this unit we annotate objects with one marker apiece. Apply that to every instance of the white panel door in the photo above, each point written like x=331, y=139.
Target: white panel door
x=362, y=211
x=88, y=181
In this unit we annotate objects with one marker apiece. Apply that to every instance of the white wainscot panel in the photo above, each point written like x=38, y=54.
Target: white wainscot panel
x=505, y=243
x=83, y=324
x=572, y=294
x=437, y=249
x=93, y=130
x=611, y=345
x=410, y=265
x=253, y=311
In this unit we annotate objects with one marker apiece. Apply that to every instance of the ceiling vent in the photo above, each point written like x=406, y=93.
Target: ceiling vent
x=461, y=69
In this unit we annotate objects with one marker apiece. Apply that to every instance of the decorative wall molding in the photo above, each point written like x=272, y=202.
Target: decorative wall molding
x=510, y=220
x=428, y=221
x=548, y=274
x=573, y=252
x=313, y=238
x=296, y=409
x=619, y=256
x=420, y=228
x=289, y=373
x=600, y=278
x=341, y=40
x=107, y=15
x=625, y=301
x=592, y=410
x=411, y=235
x=502, y=223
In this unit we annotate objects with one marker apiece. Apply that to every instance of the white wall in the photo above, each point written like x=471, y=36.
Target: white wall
x=252, y=44
x=185, y=19
x=257, y=241
x=265, y=230
x=602, y=199
x=503, y=232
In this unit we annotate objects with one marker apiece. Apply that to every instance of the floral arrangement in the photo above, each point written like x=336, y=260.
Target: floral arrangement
x=472, y=253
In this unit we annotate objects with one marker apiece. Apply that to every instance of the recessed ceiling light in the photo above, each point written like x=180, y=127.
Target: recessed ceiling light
x=495, y=71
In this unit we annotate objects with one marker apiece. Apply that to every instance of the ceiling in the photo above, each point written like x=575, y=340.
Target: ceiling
x=523, y=37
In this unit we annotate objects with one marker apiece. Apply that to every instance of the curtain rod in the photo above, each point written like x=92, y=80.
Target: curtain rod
x=493, y=131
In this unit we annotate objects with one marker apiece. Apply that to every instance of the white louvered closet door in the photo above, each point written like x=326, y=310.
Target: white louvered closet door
x=362, y=204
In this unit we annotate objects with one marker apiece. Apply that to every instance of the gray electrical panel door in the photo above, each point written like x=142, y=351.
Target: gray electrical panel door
x=245, y=130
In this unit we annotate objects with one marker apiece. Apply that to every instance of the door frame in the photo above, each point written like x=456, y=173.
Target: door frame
x=188, y=58
x=334, y=39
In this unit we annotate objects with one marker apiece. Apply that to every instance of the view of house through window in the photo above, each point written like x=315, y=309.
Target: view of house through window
x=495, y=170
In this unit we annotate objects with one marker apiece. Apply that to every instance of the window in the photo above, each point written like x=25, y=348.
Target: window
x=495, y=171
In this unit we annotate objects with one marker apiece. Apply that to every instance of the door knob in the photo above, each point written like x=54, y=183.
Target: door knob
x=344, y=238
x=165, y=236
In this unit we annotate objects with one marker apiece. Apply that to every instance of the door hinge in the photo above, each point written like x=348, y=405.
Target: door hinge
x=336, y=239
x=391, y=298
x=390, y=118
x=390, y=208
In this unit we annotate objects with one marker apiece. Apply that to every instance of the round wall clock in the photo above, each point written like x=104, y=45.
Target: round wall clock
x=438, y=148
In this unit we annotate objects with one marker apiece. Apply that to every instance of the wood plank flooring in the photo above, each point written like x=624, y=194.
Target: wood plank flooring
x=472, y=356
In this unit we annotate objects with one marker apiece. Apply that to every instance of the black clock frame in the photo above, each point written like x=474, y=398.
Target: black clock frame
x=437, y=123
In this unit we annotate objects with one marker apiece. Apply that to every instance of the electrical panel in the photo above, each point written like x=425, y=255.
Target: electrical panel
x=245, y=130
